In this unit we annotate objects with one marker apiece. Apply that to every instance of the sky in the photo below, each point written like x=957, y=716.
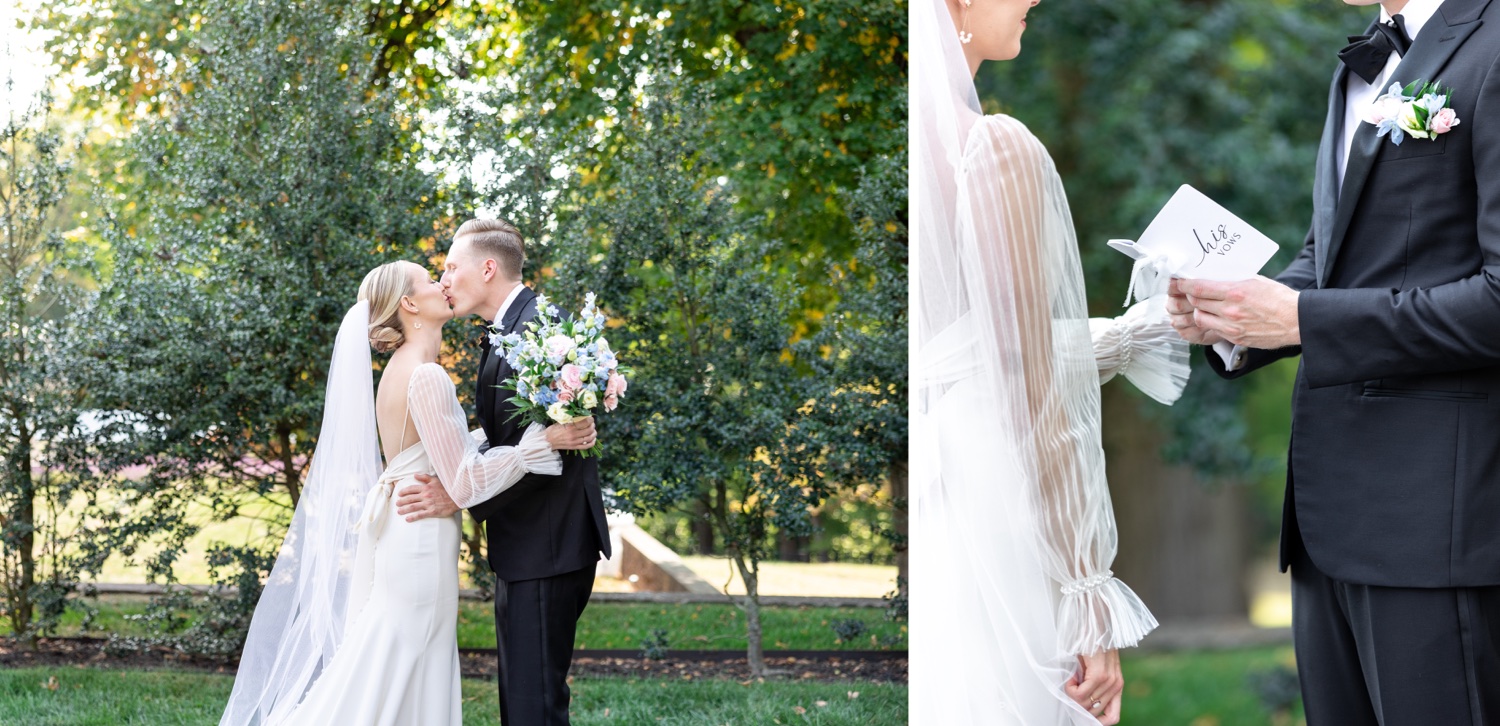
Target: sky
x=24, y=66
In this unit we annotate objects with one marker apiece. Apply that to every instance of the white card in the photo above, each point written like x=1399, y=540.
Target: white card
x=1196, y=238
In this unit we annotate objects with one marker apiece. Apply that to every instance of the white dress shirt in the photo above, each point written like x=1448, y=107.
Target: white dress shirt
x=1358, y=96
x=515, y=292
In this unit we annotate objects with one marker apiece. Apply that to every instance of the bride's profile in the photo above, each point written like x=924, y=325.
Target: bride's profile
x=356, y=624
x=1018, y=618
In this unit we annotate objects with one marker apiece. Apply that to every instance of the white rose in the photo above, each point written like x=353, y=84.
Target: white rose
x=588, y=398
x=559, y=412
x=1408, y=121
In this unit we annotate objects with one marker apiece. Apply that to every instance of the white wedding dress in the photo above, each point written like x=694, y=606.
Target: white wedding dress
x=1012, y=528
x=398, y=663
x=357, y=624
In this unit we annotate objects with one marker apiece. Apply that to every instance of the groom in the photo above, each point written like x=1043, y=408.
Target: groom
x=1391, y=525
x=546, y=533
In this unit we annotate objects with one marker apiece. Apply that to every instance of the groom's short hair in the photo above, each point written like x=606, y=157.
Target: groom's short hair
x=496, y=239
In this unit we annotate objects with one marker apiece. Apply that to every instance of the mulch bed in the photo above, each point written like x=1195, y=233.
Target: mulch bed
x=883, y=666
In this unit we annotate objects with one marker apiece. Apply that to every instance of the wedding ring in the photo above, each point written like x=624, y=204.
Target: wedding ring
x=1097, y=705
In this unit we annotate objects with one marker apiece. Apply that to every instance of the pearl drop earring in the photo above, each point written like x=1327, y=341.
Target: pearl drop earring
x=964, y=36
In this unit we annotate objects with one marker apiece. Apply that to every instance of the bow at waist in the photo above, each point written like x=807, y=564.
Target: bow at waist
x=377, y=508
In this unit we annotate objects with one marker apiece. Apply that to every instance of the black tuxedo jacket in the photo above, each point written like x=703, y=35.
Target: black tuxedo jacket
x=544, y=525
x=1394, y=471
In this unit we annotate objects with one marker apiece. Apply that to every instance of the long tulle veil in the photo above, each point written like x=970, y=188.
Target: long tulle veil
x=1012, y=528
x=300, y=618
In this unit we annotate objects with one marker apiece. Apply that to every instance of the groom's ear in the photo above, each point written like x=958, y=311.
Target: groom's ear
x=490, y=269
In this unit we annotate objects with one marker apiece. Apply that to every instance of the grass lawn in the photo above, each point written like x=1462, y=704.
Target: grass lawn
x=1162, y=689
x=619, y=625
x=89, y=697
x=1201, y=688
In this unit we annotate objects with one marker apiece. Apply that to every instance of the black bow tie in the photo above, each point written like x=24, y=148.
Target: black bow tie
x=1366, y=54
x=484, y=337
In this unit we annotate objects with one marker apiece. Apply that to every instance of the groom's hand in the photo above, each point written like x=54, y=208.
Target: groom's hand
x=1256, y=313
x=1181, y=310
x=424, y=501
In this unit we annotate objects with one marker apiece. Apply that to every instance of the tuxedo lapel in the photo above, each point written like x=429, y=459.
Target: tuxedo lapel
x=1326, y=175
x=1444, y=33
x=500, y=369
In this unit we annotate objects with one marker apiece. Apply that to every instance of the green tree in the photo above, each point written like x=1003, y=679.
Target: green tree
x=269, y=189
x=702, y=318
x=804, y=92
x=44, y=281
x=859, y=420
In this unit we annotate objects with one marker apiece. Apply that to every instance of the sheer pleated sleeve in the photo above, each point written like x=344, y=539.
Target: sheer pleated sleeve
x=470, y=477
x=1024, y=282
x=1142, y=346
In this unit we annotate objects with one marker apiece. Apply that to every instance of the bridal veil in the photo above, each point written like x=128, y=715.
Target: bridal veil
x=1013, y=532
x=300, y=618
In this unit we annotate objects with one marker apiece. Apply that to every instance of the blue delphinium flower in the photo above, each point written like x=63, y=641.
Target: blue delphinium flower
x=1394, y=129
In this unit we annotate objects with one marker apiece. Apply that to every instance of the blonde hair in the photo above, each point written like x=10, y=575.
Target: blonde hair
x=499, y=240
x=384, y=287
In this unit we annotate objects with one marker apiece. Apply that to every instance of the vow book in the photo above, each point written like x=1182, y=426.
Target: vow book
x=1193, y=237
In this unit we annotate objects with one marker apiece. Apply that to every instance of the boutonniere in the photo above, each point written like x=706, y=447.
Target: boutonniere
x=1421, y=109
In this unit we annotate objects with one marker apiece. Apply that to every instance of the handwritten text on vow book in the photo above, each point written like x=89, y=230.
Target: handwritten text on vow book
x=1193, y=237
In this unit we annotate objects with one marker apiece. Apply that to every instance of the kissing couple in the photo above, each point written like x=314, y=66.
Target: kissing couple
x=357, y=622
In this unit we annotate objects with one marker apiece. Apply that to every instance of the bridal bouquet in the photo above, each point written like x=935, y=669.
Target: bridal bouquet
x=1421, y=110
x=564, y=368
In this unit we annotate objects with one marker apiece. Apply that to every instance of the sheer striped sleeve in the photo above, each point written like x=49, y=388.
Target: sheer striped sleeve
x=1026, y=284
x=470, y=477
x=1142, y=346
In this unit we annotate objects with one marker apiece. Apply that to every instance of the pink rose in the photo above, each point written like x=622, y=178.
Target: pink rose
x=572, y=377
x=565, y=395
x=610, y=401
x=559, y=345
x=1443, y=121
x=615, y=386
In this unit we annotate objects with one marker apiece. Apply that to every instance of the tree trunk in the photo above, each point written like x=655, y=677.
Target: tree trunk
x=791, y=548
x=479, y=570
x=703, y=529
x=288, y=471
x=750, y=574
x=1184, y=547
x=897, y=482
x=24, y=521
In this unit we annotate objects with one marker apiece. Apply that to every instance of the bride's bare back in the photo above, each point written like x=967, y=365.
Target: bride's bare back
x=398, y=430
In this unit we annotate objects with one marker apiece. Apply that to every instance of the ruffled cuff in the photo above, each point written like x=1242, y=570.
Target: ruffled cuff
x=536, y=455
x=1142, y=346
x=1101, y=613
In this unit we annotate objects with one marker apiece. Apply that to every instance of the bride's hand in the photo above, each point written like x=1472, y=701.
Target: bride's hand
x=1099, y=681
x=573, y=436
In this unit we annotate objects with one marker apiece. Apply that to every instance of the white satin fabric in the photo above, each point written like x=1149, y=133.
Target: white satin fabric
x=357, y=623
x=1013, y=532
x=398, y=663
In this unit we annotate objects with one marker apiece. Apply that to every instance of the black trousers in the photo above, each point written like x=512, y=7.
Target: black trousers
x=535, y=622
x=1392, y=656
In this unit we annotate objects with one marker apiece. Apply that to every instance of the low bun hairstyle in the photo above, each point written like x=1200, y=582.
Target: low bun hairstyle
x=383, y=288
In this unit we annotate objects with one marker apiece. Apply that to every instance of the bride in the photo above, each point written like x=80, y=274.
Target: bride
x=356, y=624
x=1021, y=617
